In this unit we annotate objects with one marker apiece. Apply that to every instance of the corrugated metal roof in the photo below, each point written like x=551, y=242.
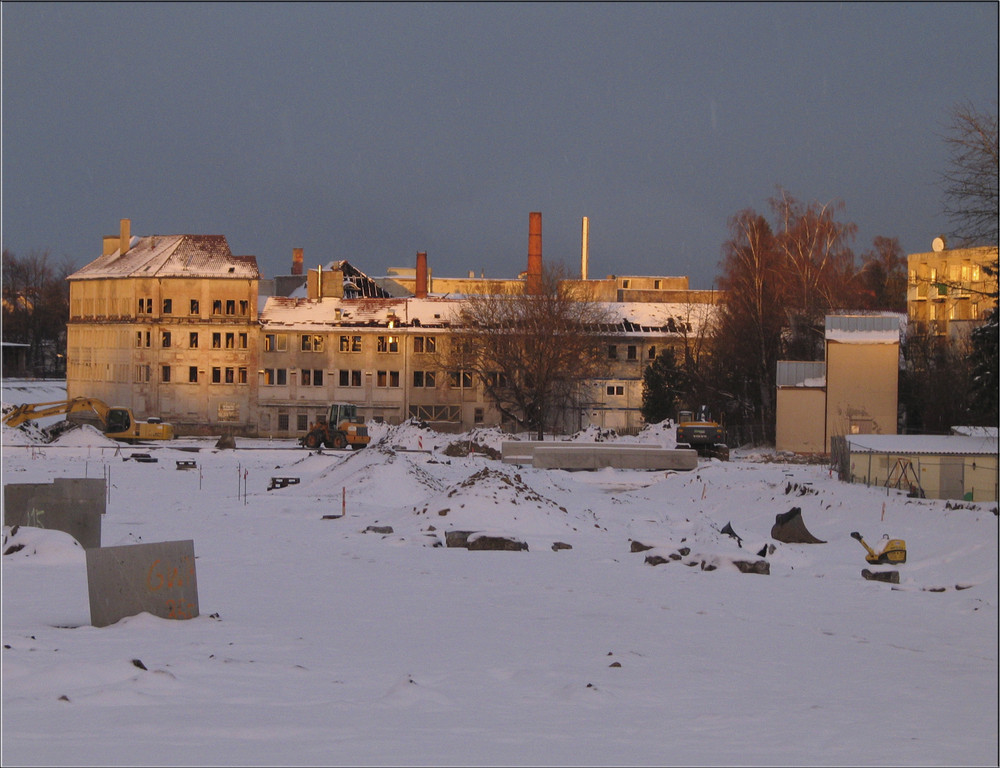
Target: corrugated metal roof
x=797, y=373
x=862, y=322
x=172, y=256
x=961, y=445
x=865, y=329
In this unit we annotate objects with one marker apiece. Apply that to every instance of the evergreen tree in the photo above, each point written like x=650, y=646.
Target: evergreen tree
x=662, y=384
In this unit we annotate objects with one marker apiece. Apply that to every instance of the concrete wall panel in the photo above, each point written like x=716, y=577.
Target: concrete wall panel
x=157, y=578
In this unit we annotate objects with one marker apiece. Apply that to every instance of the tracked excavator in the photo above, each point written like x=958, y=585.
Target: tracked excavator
x=700, y=431
x=116, y=422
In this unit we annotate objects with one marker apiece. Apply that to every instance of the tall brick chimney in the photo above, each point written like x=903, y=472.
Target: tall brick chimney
x=420, y=289
x=124, y=236
x=534, y=277
x=296, y=261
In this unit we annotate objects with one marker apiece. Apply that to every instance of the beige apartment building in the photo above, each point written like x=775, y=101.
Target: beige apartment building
x=167, y=326
x=384, y=355
x=948, y=291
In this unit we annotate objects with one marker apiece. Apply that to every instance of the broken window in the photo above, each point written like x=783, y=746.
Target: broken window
x=165, y=339
x=165, y=373
x=193, y=374
x=168, y=306
x=194, y=307
x=193, y=340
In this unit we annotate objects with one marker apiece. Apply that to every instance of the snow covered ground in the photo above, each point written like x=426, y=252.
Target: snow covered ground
x=321, y=642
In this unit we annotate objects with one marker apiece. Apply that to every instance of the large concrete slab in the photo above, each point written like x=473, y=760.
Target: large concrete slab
x=158, y=578
x=72, y=505
x=564, y=455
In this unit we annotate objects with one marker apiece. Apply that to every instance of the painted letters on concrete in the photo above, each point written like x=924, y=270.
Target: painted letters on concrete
x=157, y=578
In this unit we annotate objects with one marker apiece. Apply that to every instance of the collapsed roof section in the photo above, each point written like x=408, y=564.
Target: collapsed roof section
x=293, y=313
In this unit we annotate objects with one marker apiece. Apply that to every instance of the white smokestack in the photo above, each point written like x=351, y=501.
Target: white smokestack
x=584, y=247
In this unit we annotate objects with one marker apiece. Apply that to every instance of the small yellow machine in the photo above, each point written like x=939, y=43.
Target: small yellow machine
x=893, y=551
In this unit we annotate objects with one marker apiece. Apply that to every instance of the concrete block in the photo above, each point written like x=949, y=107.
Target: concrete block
x=72, y=505
x=157, y=578
x=592, y=456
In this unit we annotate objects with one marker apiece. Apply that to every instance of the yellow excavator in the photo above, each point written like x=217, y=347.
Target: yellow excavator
x=115, y=422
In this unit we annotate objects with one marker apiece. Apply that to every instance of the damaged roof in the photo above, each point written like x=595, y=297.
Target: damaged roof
x=172, y=256
x=297, y=313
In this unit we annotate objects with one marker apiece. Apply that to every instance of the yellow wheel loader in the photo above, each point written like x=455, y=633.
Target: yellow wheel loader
x=893, y=551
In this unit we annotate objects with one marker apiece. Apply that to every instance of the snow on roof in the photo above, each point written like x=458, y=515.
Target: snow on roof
x=172, y=256
x=865, y=329
x=993, y=432
x=294, y=312
x=923, y=444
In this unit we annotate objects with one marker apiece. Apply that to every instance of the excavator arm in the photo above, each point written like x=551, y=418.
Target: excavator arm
x=30, y=411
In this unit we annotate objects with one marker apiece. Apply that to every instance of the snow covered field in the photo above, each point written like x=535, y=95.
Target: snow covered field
x=320, y=642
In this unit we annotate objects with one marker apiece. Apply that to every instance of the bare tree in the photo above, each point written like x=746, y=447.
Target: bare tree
x=883, y=275
x=818, y=266
x=971, y=181
x=747, y=342
x=36, y=307
x=531, y=352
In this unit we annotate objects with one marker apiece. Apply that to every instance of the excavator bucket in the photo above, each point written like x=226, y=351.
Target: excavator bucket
x=790, y=528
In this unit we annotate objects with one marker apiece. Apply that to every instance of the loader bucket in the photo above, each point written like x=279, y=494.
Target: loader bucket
x=790, y=528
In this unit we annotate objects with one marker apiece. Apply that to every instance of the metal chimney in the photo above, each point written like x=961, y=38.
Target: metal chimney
x=420, y=289
x=296, y=261
x=584, y=248
x=534, y=277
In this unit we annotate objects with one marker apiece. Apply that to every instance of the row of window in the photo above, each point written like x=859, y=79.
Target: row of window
x=423, y=412
x=219, y=374
x=631, y=352
x=219, y=340
x=352, y=378
x=219, y=307
x=311, y=342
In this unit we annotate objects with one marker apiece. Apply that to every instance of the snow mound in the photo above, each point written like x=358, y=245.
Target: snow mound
x=41, y=546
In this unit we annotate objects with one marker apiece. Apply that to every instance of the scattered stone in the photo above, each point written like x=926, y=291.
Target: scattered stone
x=655, y=560
x=615, y=664
x=64, y=697
x=758, y=566
x=763, y=551
x=13, y=548
x=226, y=441
x=457, y=538
x=638, y=546
x=557, y=545
x=707, y=566
x=500, y=543
x=378, y=529
x=139, y=664
x=684, y=551
x=675, y=556
x=891, y=577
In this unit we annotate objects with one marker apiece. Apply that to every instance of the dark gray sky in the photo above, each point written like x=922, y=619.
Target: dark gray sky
x=371, y=132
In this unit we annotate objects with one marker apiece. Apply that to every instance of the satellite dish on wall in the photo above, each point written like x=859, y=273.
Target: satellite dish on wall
x=939, y=244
